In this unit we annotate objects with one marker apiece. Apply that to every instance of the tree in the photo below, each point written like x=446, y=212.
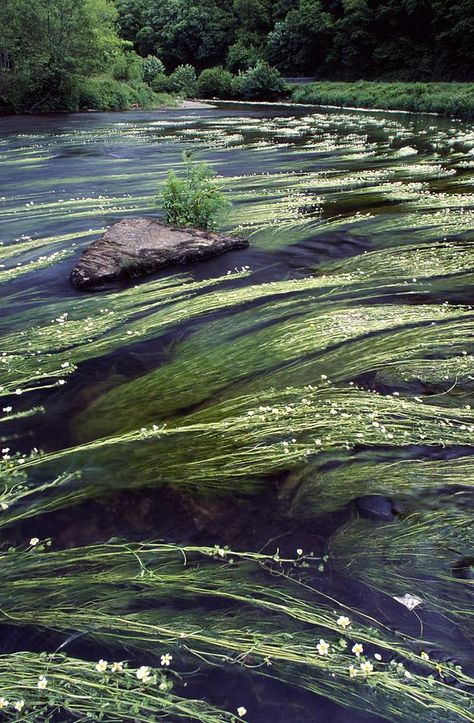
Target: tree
x=52, y=43
x=353, y=41
x=299, y=43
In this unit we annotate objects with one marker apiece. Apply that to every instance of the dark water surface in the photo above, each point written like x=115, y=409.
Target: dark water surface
x=310, y=188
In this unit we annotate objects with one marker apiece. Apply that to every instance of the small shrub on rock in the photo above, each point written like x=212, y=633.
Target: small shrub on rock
x=194, y=199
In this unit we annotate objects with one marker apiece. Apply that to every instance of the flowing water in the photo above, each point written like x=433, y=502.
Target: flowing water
x=242, y=461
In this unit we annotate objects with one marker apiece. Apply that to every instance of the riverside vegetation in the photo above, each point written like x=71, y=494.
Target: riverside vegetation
x=69, y=55
x=184, y=462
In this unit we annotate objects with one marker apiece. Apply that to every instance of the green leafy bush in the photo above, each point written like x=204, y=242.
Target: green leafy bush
x=215, y=83
x=127, y=66
x=162, y=83
x=262, y=82
x=195, y=198
x=104, y=94
x=184, y=81
x=151, y=68
x=108, y=94
x=242, y=57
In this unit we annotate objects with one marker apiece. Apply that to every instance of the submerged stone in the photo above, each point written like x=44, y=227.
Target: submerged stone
x=376, y=507
x=138, y=246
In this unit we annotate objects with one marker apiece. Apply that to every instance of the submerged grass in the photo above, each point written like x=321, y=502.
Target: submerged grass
x=321, y=488
x=51, y=687
x=354, y=380
x=273, y=620
x=426, y=554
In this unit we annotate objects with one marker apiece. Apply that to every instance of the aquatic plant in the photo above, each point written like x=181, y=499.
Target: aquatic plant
x=277, y=402
x=113, y=592
x=39, y=686
x=324, y=488
x=425, y=554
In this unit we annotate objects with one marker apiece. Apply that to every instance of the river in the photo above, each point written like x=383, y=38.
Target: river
x=306, y=400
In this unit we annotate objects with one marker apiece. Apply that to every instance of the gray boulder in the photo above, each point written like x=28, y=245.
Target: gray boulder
x=138, y=246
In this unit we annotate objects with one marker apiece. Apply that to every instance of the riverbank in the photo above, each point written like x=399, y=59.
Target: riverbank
x=451, y=99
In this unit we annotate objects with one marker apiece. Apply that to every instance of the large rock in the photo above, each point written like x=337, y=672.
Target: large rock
x=137, y=246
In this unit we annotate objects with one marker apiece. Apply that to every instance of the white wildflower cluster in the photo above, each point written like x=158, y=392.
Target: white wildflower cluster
x=237, y=270
x=153, y=431
x=18, y=705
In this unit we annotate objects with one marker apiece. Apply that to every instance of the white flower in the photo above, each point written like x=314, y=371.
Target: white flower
x=357, y=649
x=407, y=674
x=366, y=667
x=101, y=666
x=343, y=622
x=322, y=647
x=116, y=668
x=241, y=711
x=7, y=409
x=34, y=541
x=65, y=365
x=42, y=682
x=377, y=656
x=166, y=659
x=3, y=703
x=424, y=656
x=143, y=673
x=352, y=671
x=19, y=705
x=299, y=551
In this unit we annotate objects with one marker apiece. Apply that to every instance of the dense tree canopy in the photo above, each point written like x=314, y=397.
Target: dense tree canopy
x=347, y=39
x=53, y=42
x=69, y=54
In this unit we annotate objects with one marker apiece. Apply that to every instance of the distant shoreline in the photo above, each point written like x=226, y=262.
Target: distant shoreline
x=453, y=100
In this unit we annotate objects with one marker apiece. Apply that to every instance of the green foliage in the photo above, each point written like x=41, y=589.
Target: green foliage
x=262, y=82
x=107, y=94
x=242, y=57
x=178, y=31
x=54, y=43
x=336, y=39
x=300, y=42
x=215, y=83
x=184, y=81
x=194, y=199
x=456, y=99
x=66, y=55
x=162, y=83
x=127, y=66
x=151, y=68
x=104, y=94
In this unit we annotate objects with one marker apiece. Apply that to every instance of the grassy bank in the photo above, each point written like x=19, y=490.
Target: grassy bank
x=99, y=94
x=453, y=99
x=106, y=94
